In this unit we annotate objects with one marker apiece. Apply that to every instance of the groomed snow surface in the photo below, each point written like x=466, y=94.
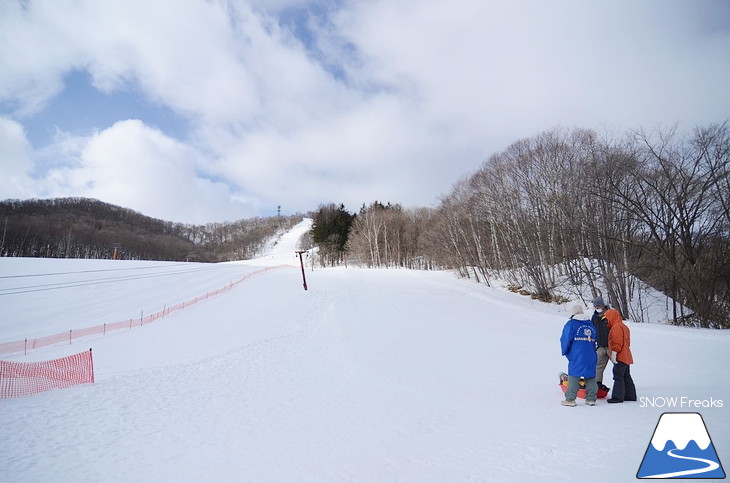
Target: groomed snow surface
x=370, y=375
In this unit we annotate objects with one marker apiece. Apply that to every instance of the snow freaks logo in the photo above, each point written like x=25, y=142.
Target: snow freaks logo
x=680, y=448
x=679, y=402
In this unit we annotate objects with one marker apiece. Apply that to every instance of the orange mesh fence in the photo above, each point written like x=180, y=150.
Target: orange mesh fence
x=30, y=344
x=26, y=378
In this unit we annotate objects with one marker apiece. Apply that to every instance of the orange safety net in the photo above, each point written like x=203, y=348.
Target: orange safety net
x=30, y=344
x=26, y=378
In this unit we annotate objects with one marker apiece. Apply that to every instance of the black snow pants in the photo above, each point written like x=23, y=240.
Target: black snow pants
x=623, y=384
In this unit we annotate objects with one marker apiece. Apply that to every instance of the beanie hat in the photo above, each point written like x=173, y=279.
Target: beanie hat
x=598, y=302
x=575, y=310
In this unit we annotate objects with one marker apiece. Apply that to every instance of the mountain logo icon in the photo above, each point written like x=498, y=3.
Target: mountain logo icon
x=681, y=448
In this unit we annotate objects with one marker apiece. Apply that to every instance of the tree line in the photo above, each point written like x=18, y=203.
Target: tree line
x=88, y=228
x=567, y=203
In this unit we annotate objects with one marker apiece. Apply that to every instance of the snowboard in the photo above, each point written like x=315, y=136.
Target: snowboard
x=602, y=393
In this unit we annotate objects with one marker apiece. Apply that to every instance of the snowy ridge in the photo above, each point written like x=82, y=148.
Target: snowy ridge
x=646, y=304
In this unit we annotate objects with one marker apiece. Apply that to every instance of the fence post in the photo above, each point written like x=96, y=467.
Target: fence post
x=26, y=346
x=69, y=337
x=104, y=329
x=91, y=359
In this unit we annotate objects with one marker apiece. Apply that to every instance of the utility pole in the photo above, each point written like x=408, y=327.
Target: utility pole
x=301, y=262
x=2, y=243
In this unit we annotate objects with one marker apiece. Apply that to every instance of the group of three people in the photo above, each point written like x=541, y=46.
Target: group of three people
x=589, y=344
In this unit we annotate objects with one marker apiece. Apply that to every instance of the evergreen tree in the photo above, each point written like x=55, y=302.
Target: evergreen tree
x=330, y=231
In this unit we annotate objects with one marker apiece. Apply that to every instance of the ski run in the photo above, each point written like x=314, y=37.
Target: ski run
x=386, y=375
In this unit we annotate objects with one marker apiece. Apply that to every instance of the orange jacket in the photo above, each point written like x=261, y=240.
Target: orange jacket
x=619, y=337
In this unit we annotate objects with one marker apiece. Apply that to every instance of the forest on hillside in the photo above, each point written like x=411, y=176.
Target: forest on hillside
x=652, y=206
x=88, y=228
x=602, y=211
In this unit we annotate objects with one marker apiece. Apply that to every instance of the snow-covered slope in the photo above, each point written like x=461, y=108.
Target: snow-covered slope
x=281, y=250
x=370, y=375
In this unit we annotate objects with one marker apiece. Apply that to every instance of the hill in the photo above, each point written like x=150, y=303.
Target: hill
x=88, y=228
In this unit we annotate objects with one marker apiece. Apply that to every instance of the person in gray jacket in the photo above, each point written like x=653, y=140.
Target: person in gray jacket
x=602, y=352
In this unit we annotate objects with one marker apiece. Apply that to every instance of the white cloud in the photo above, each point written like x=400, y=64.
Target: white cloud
x=530, y=65
x=132, y=165
x=388, y=100
x=15, y=162
x=32, y=58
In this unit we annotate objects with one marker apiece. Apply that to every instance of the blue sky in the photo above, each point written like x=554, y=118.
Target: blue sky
x=80, y=108
x=211, y=110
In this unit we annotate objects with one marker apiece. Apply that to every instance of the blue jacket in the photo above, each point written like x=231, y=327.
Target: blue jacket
x=579, y=346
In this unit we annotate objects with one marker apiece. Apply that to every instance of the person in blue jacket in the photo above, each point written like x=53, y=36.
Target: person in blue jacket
x=578, y=343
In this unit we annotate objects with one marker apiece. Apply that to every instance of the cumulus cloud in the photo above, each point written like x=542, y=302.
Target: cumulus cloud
x=502, y=65
x=15, y=162
x=300, y=102
x=138, y=167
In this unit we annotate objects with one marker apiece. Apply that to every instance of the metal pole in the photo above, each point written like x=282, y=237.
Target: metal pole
x=301, y=262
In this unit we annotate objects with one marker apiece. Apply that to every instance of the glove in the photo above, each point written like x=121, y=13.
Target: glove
x=613, y=357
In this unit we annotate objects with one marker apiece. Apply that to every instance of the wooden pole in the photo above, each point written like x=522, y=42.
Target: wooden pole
x=301, y=262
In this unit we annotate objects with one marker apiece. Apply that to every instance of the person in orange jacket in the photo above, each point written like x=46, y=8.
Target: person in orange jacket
x=619, y=345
